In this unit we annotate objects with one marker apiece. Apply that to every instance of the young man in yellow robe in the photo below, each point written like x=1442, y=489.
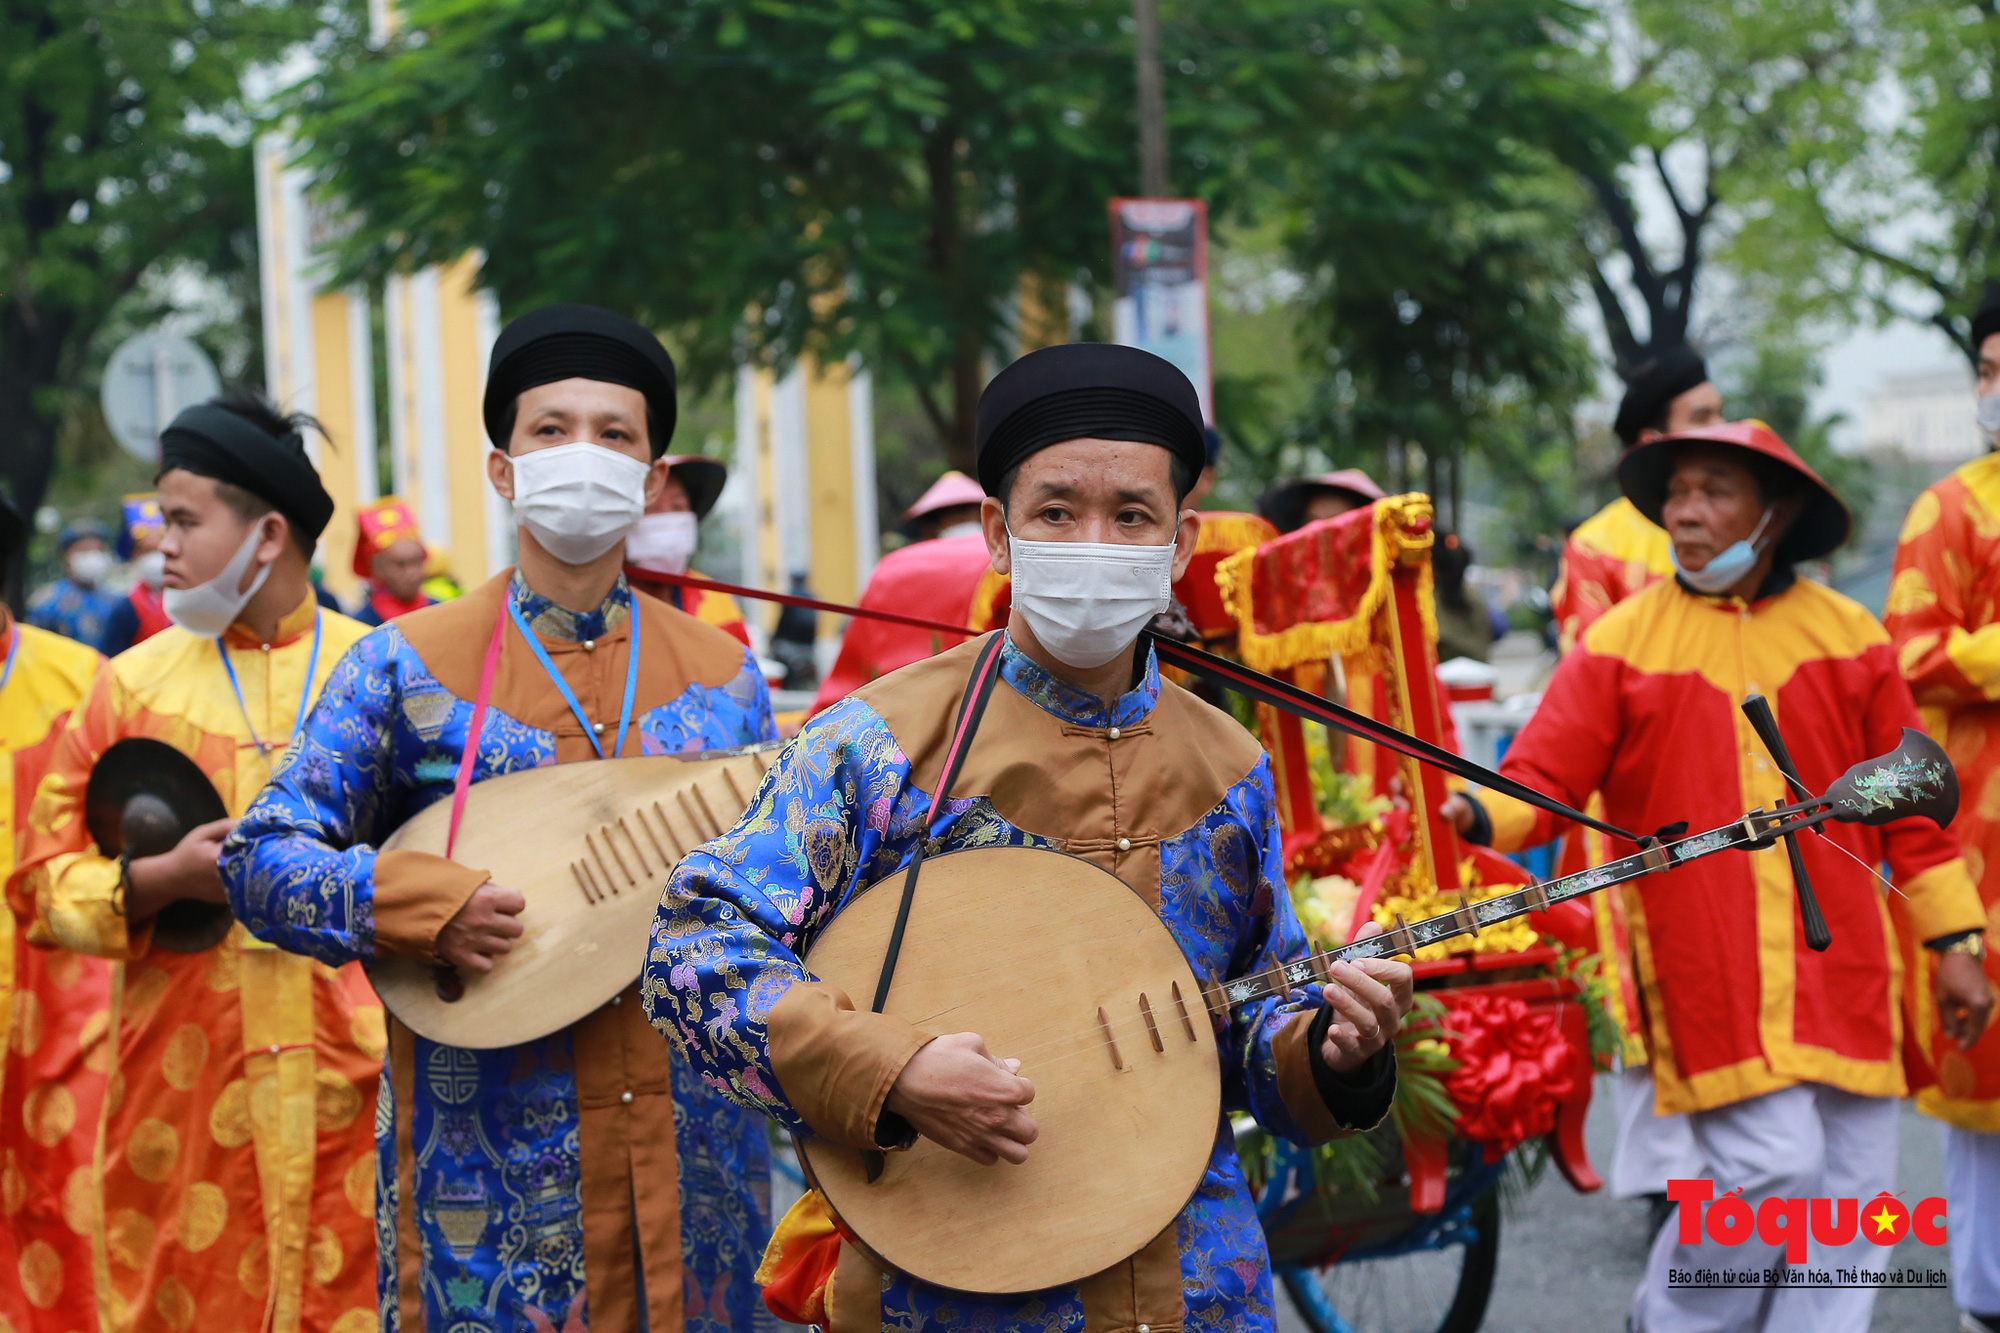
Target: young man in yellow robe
x=237, y=1155
x=56, y=1005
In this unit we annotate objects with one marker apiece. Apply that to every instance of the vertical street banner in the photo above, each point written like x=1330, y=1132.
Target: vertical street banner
x=1159, y=278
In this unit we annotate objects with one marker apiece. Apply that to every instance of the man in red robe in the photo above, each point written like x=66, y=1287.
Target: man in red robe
x=1788, y=1061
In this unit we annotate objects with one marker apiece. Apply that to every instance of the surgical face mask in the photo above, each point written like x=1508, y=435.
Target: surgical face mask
x=1085, y=601
x=210, y=608
x=1728, y=567
x=578, y=499
x=90, y=567
x=662, y=542
x=969, y=528
x=1988, y=413
x=151, y=569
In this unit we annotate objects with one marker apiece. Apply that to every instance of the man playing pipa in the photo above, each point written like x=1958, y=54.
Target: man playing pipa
x=511, y=1180
x=1086, y=453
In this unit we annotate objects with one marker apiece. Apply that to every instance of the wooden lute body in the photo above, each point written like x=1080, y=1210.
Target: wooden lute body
x=1061, y=965
x=589, y=846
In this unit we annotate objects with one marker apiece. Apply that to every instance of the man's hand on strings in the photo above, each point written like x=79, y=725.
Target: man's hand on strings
x=1964, y=998
x=193, y=869
x=482, y=930
x=1369, y=999
x=956, y=1094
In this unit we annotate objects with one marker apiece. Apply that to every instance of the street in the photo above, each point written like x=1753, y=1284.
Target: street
x=1571, y=1261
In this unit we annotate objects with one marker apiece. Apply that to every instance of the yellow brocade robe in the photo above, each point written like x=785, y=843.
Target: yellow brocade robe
x=54, y=1011
x=237, y=1159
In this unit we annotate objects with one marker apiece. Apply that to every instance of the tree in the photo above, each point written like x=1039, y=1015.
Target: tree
x=1434, y=234
x=1886, y=202
x=122, y=164
x=1706, y=90
x=758, y=180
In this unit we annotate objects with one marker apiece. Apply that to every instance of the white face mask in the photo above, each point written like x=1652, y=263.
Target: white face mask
x=1988, y=413
x=151, y=569
x=663, y=542
x=90, y=567
x=578, y=499
x=210, y=608
x=969, y=528
x=1085, y=601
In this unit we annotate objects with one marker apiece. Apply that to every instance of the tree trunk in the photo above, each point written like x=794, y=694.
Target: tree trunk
x=28, y=357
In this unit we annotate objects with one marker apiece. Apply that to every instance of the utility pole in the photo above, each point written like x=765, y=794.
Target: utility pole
x=1152, y=101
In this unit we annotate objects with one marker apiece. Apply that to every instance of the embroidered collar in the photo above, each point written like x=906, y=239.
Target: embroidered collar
x=556, y=622
x=296, y=623
x=1058, y=697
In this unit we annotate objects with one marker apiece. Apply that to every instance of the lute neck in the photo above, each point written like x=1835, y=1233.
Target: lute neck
x=1756, y=829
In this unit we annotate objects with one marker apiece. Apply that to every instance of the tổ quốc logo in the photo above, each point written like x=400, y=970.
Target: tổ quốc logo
x=1884, y=1220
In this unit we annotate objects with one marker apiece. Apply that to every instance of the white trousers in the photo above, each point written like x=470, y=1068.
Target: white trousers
x=1972, y=1212
x=1801, y=1142
x=1652, y=1149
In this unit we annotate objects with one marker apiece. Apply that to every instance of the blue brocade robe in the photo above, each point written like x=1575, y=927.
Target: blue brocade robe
x=497, y=1136
x=1169, y=794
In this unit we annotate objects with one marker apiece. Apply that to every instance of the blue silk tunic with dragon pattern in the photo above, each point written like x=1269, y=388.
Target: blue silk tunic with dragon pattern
x=497, y=1175
x=839, y=812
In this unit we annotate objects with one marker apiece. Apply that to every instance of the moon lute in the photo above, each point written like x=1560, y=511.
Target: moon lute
x=589, y=845
x=1059, y=964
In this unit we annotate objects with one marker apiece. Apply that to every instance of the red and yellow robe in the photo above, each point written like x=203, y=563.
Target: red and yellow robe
x=1646, y=711
x=1614, y=553
x=55, y=1007
x=237, y=1159
x=710, y=608
x=1944, y=614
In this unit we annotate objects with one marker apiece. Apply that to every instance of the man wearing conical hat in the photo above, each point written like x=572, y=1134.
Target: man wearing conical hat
x=1788, y=1061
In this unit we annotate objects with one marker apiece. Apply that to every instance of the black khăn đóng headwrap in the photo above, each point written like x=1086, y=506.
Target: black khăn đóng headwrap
x=561, y=342
x=1656, y=385
x=1986, y=320
x=1086, y=391
x=209, y=440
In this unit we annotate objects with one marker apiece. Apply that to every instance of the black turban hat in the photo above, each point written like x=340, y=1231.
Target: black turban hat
x=1986, y=320
x=562, y=342
x=209, y=440
x=1653, y=387
x=1086, y=391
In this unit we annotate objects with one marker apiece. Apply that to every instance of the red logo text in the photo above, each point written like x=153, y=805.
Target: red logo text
x=1731, y=1220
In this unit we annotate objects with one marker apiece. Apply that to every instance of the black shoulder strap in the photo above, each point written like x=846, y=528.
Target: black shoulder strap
x=978, y=689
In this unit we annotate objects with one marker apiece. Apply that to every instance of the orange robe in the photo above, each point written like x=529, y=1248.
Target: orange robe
x=1944, y=613
x=237, y=1158
x=57, y=1006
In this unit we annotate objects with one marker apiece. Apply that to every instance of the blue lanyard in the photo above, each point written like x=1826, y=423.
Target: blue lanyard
x=13, y=647
x=299, y=723
x=569, y=695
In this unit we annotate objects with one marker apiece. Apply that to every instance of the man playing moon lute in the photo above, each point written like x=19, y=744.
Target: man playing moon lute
x=1086, y=453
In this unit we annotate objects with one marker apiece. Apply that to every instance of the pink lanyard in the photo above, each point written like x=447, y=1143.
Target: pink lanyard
x=461, y=783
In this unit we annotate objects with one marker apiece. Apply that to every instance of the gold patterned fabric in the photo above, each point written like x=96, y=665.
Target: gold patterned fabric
x=237, y=1160
x=54, y=1008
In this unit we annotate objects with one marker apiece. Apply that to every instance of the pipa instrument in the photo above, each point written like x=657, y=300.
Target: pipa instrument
x=589, y=846
x=1059, y=964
